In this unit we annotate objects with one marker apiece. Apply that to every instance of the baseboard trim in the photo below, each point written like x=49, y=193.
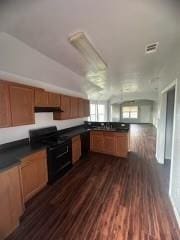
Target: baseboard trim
x=175, y=211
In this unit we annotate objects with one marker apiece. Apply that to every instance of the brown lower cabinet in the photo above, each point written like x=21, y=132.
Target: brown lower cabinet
x=76, y=148
x=33, y=174
x=112, y=143
x=11, y=205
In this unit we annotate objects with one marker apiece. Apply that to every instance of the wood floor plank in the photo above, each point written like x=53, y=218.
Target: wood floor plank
x=105, y=198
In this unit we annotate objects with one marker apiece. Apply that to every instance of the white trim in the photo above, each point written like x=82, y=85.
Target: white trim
x=173, y=137
x=168, y=87
x=175, y=211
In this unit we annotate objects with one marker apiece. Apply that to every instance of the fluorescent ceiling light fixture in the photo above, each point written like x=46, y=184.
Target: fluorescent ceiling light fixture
x=80, y=41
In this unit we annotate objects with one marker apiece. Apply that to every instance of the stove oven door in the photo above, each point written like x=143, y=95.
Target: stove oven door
x=59, y=160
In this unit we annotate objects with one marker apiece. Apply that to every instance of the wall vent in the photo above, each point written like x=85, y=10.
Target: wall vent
x=151, y=48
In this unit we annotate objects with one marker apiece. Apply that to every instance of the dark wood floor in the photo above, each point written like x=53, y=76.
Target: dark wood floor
x=105, y=198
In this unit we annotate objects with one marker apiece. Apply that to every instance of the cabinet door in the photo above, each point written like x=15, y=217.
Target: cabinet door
x=41, y=98
x=86, y=108
x=34, y=174
x=122, y=145
x=76, y=149
x=22, y=104
x=53, y=100
x=109, y=143
x=74, y=107
x=65, y=107
x=81, y=107
x=97, y=142
x=11, y=207
x=5, y=115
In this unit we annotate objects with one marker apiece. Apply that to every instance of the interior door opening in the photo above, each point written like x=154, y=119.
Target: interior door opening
x=169, y=135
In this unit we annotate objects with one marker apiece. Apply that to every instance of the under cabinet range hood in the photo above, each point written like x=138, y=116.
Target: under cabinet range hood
x=47, y=109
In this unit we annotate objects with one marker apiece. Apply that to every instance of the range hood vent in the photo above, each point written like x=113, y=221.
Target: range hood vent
x=47, y=109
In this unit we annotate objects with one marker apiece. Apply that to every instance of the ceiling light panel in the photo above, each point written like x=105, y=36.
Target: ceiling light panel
x=80, y=41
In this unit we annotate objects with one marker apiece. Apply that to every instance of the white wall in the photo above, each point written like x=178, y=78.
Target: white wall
x=155, y=113
x=41, y=120
x=145, y=111
x=170, y=73
x=17, y=58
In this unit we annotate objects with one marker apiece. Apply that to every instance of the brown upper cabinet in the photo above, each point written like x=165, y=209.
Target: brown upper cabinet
x=17, y=104
x=86, y=108
x=53, y=99
x=5, y=114
x=22, y=104
x=81, y=107
x=65, y=107
x=41, y=98
x=74, y=107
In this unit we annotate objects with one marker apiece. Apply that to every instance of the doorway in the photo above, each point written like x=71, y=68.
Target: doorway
x=170, y=102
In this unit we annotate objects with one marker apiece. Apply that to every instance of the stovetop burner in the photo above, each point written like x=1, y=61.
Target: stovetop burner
x=48, y=136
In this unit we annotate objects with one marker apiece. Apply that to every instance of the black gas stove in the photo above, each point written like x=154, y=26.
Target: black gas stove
x=59, y=150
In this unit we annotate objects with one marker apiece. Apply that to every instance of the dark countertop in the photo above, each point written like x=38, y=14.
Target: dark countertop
x=75, y=132
x=12, y=155
x=111, y=130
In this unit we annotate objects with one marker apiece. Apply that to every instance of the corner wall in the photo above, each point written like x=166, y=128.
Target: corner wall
x=169, y=74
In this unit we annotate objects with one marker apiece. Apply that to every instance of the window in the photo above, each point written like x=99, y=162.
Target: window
x=93, y=112
x=100, y=112
x=130, y=112
x=97, y=112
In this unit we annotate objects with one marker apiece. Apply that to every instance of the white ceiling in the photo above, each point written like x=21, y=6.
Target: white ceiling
x=119, y=29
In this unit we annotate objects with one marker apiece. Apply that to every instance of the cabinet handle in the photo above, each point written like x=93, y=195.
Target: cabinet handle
x=62, y=154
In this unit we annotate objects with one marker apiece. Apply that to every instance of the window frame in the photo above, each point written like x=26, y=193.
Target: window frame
x=130, y=112
x=97, y=113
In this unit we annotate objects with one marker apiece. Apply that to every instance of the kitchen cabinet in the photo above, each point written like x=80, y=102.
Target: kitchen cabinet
x=81, y=107
x=74, y=107
x=109, y=143
x=65, y=107
x=34, y=174
x=18, y=104
x=22, y=104
x=86, y=108
x=53, y=99
x=5, y=114
x=112, y=143
x=97, y=141
x=41, y=98
x=76, y=148
x=11, y=207
x=122, y=144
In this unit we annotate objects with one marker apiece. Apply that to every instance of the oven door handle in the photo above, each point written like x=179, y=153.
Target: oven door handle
x=62, y=154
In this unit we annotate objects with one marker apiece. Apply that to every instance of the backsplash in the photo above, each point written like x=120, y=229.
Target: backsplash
x=41, y=120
